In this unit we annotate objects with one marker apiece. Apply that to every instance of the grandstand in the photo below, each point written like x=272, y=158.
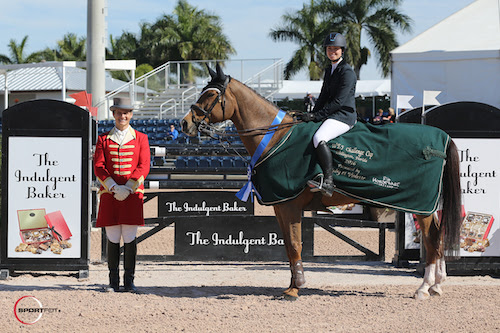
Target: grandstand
x=200, y=155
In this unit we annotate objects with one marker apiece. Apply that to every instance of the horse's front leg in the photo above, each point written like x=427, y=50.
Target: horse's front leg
x=435, y=268
x=289, y=219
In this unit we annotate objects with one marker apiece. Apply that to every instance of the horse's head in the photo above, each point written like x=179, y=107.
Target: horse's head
x=210, y=106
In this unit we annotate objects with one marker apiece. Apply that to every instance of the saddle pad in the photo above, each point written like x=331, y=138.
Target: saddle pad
x=399, y=166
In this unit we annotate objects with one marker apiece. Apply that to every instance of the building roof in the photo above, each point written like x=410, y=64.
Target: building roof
x=51, y=78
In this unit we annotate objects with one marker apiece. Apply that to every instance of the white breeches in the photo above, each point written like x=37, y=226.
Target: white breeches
x=115, y=232
x=330, y=129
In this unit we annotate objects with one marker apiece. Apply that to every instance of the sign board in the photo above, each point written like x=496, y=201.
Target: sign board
x=480, y=182
x=246, y=238
x=475, y=129
x=45, y=187
x=216, y=225
x=205, y=203
x=44, y=176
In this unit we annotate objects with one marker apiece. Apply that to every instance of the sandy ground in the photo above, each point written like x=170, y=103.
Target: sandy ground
x=246, y=296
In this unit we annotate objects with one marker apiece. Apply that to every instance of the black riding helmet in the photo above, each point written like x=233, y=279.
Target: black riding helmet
x=335, y=39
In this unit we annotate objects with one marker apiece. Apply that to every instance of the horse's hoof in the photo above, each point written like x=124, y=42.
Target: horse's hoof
x=290, y=298
x=291, y=294
x=436, y=290
x=421, y=295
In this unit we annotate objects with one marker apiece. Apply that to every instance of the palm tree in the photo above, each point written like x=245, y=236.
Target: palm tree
x=379, y=19
x=71, y=48
x=188, y=34
x=17, y=53
x=124, y=47
x=304, y=28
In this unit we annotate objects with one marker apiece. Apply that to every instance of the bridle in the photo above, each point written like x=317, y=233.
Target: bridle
x=203, y=125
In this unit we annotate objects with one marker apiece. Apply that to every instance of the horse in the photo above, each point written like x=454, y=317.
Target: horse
x=225, y=98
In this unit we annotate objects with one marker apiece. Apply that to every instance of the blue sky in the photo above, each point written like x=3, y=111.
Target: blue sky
x=246, y=23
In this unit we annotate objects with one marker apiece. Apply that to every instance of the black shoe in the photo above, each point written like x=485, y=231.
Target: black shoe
x=113, y=263
x=325, y=184
x=128, y=282
x=130, y=255
x=114, y=281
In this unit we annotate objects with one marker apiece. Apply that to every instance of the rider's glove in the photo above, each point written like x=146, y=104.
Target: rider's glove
x=306, y=117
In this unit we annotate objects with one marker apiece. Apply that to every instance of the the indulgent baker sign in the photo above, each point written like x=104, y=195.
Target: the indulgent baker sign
x=216, y=225
x=205, y=203
x=480, y=181
x=44, y=206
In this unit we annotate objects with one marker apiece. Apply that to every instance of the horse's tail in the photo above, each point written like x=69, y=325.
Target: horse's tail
x=451, y=218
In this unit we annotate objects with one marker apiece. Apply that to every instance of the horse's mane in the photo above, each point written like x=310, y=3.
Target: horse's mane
x=219, y=84
x=256, y=93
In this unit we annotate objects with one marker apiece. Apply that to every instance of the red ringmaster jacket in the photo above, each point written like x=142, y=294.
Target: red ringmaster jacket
x=126, y=163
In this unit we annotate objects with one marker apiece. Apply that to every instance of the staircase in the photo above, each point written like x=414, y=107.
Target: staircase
x=160, y=94
x=170, y=103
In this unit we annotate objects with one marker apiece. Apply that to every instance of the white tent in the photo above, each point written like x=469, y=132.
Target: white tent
x=459, y=56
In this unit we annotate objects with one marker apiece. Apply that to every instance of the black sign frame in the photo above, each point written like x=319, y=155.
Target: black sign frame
x=47, y=118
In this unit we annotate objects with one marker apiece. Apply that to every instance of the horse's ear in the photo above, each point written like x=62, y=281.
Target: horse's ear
x=220, y=73
x=211, y=72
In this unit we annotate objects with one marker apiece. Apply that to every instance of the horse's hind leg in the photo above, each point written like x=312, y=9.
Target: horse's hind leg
x=440, y=277
x=289, y=218
x=435, y=267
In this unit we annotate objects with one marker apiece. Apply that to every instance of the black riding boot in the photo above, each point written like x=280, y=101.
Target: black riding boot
x=113, y=263
x=130, y=254
x=325, y=160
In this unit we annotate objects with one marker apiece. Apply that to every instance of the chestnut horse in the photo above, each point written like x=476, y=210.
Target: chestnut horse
x=226, y=98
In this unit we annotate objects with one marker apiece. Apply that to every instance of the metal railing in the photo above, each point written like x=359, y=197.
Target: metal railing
x=178, y=84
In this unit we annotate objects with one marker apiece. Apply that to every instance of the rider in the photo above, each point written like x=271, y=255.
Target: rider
x=335, y=107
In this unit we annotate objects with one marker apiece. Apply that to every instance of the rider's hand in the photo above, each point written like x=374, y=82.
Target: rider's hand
x=306, y=116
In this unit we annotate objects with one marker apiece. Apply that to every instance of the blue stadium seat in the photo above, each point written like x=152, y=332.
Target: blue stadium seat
x=151, y=122
x=180, y=162
x=141, y=122
x=156, y=142
x=162, y=122
x=215, y=161
x=176, y=122
x=204, y=162
x=192, y=162
x=239, y=162
x=227, y=162
x=151, y=136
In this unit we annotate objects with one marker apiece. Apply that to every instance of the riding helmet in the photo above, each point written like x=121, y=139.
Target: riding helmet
x=335, y=39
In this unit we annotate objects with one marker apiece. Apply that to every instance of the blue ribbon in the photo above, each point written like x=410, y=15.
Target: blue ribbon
x=245, y=191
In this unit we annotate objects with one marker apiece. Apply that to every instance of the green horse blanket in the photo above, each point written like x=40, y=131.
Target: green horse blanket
x=399, y=166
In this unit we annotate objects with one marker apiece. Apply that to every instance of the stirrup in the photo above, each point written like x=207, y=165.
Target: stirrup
x=316, y=183
x=316, y=186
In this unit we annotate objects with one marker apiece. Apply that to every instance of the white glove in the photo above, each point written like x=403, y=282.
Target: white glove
x=121, y=192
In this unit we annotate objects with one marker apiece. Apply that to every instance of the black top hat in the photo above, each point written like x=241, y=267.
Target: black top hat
x=123, y=103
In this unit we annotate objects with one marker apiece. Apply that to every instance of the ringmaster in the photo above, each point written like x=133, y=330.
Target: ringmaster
x=121, y=163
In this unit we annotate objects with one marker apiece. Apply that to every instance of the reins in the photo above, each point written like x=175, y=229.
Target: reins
x=213, y=132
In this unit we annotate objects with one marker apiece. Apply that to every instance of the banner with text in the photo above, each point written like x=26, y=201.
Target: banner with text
x=45, y=204
x=480, y=181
